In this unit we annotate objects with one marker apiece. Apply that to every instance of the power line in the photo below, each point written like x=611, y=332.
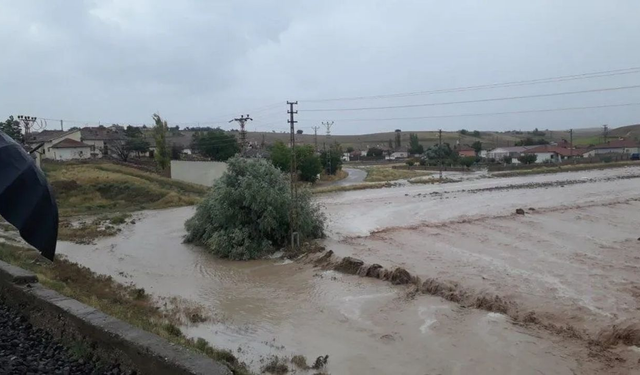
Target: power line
x=475, y=100
x=606, y=73
x=492, y=113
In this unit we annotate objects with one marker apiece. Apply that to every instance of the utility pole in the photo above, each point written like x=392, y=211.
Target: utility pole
x=327, y=155
x=27, y=122
x=61, y=125
x=605, y=132
x=571, y=144
x=243, y=134
x=293, y=215
x=440, y=151
x=315, y=136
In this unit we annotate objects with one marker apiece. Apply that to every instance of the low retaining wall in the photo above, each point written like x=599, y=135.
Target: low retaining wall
x=108, y=337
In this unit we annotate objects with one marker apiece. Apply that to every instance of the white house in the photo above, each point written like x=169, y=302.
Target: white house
x=69, y=149
x=100, y=137
x=551, y=154
x=50, y=137
x=618, y=146
x=397, y=155
x=513, y=152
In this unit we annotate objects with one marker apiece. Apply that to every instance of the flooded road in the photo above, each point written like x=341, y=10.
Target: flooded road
x=366, y=326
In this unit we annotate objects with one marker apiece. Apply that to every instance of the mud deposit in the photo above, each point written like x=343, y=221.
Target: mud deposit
x=366, y=326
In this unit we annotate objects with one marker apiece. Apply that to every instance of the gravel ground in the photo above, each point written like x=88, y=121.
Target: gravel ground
x=28, y=350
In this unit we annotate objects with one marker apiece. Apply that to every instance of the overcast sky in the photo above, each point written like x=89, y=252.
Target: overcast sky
x=197, y=61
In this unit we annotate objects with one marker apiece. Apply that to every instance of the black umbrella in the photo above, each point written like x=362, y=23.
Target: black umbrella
x=26, y=200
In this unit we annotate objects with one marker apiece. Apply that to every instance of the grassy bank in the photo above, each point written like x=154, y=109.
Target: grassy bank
x=103, y=187
x=340, y=175
x=124, y=302
x=386, y=173
x=103, y=193
x=566, y=168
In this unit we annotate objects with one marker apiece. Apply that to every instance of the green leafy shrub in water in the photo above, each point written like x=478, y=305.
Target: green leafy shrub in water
x=245, y=215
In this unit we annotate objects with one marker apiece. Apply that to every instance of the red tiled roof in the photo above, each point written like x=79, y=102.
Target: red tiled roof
x=69, y=143
x=546, y=148
x=467, y=152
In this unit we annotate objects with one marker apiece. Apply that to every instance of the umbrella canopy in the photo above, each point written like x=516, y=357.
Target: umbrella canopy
x=26, y=200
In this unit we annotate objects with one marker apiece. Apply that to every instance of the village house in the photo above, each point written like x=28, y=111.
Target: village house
x=69, y=149
x=513, y=152
x=618, y=146
x=466, y=152
x=551, y=154
x=100, y=137
x=49, y=138
x=397, y=155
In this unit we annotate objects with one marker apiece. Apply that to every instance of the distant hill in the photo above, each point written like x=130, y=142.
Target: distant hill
x=489, y=139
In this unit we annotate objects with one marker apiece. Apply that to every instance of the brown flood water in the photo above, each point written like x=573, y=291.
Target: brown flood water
x=366, y=326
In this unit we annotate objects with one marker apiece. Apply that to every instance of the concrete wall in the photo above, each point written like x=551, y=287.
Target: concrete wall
x=197, y=172
x=108, y=338
x=70, y=153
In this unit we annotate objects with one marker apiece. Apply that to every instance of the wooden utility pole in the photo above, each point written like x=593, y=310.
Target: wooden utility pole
x=605, y=132
x=440, y=151
x=243, y=134
x=327, y=155
x=315, y=136
x=293, y=214
x=571, y=143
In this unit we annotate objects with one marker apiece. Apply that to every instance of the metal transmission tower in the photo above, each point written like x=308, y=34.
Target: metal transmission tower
x=293, y=214
x=243, y=134
x=327, y=155
x=315, y=136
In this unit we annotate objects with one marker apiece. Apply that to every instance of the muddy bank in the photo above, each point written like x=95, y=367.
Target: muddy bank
x=366, y=326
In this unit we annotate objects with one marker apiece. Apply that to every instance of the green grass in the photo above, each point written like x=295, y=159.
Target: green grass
x=124, y=302
x=586, y=141
x=90, y=188
x=382, y=174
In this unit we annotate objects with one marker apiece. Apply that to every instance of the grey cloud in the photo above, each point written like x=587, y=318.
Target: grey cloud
x=197, y=61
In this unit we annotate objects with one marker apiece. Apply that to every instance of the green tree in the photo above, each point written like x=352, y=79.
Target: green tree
x=216, y=144
x=531, y=142
x=12, y=128
x=398, y=138
x=527, y=158
x=374, y=151
x=133, y=132
x=281, y=156
x=350, y=149
x=442, y=153
x=507, y=159
x=477, y=147
x=389, y=144
x=160, y=130
x=138, y=145
x=414, y=144
x=332, y=159
x=308, y=163
x=467, y=161
x=476, y=133
x=246, y=213
x=464, y=131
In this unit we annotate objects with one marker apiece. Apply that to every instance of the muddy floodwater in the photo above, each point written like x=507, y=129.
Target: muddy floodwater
x=573, y=258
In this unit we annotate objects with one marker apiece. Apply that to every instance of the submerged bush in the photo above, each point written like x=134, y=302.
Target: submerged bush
x=245, y=215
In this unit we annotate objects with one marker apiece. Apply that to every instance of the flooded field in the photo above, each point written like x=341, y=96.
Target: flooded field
x=575, y=259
